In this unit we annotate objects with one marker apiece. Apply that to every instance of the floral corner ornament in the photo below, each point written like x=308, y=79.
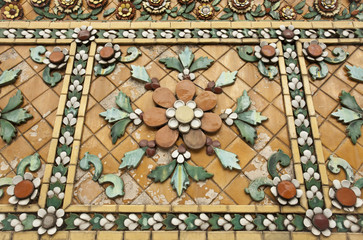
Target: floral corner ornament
x=12, y=114
x=109, y=55
x=288, y=34
x=49, y=220
x=182, y=171
x=286, y=190
x=12, y=11
x=55, y=60
x=125, y=10
x=352, y=114
x=84, y=35
x=265, y=53
x=319, y=221
x=316, y=52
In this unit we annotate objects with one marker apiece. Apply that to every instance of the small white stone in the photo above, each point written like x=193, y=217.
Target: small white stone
x=180, y=159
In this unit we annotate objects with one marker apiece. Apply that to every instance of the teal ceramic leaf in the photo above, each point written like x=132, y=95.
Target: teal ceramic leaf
x=172, y=63
x=17, y=116
x=50, y=79
x=254, y=188
x=5, y=181
x=161, y=173
x=118, y=129
x=14, y=102
x=269, y=72
x=140, y=73
x=349, y=101
x=186, y=57
x=317, y=73
x=87, y=160
x=340, y=54
x=123, y=101
x=243, y=102
x=117, y=187
x=100, y=70
x=335, y=163
x=355, y=72
x=7, y=131
x=247, y=132
x=274, y=159
x=252, y=117
x=36, y=52
x=133, y=54
x=346, y=115
x=354, y=130
x=201, y=63
x=180, y=179
x=245, y=52
x=226, y=78
x=113, y=115
x=132, y=159
x=197, y=173
x=8, y=77
x=227, y=159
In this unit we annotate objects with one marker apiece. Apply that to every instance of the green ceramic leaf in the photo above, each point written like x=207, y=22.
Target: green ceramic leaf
x=358, y=183
x=100, y=70
x=214, y=221
x=140, y=73
x=243, y=102
x=143, y=221
x=355, y=73
x=114, y=115
x=349, y=101
x=315, y=202
x=123, y=101
x=186, y=57
x=313, y=182
x=120, y=222
x=108, y=12
x=258, y=221
x=6, y=222
x=32, y=161
x=17, y=116
x=132, y=159
x=5, y=181
x=36, y=52
x=197, y=173
x=133, y=54
x=87, y=160
x=7, y=131
x=354, y=130
x=172, y=63
x=317, y=73
x=190, y=222
x=227, y=159
x=339, y=219
x=201, y=63
x=269, y=72
x=245, y=52
x=55, y=202
x=279, y=221
x=346, y=115
x=117, y=187
x=253, y=188
x=14, y=102
x=118, y=129
x=8, y=77
x=300, y=5
x=247, y=132
x=252, y=117
x=336, y=163
x=49, y=79
x=95, y=221
x=167, y=222
x=279, y=157
x=70, y=222
x=340, y=54
x=298, y=222
x=161, y=173
x=226, y=78
x=180, y=179
x=236, y=222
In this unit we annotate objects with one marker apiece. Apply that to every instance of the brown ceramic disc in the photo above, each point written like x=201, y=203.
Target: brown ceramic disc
x=164, y=97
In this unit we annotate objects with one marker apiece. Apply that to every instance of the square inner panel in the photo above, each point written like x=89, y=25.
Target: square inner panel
x=226, y=187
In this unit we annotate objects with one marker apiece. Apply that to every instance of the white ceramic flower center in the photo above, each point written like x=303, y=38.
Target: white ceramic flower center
x=184, y=114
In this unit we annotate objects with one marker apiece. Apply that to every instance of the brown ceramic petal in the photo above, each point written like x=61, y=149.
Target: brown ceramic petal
x=164, y=97
x=206, y=101
x=185, y=90
x=155, y=117
x=211, y=122
x=166, y=137
x=195, y=139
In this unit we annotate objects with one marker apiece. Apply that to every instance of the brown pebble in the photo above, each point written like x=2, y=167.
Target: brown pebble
x=268, y=51
x=211, y=122
x=151, y=144
x=56, y=57
x=206, y=101
x=286, y=189
x=209, y=141
x=150, y=152
x=218, y=90
x=155, y=86
x=164, y=97
x=216, y=144
x=182, y=149
x=194, y=139
x=166, y=137
x=288, y=34
x=148, y=86
x=107, y=53
x=155, y=117
x=208, y=89
x=185, y=90
x=83, y=35
x=210, y=150
x=154, y=80
x=23, y=189
x=143, y=143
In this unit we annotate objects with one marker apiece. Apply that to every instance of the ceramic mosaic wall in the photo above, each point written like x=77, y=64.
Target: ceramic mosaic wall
x=181, y=129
